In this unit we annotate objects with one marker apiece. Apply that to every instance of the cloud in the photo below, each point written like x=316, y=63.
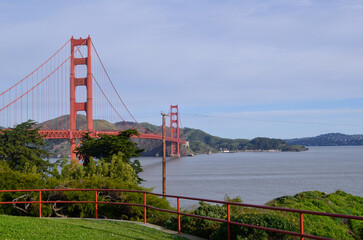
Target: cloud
x=199, y=53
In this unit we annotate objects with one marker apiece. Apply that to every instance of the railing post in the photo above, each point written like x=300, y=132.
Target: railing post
x=40, y=203
x=229, y=219
x=145, y=207
x=301, y=225
x=179, y=223
x=96, y=205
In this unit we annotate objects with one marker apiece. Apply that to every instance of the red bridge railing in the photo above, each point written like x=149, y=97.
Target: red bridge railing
x=228, y=221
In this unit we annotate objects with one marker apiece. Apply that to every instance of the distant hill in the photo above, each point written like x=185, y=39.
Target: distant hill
x=61, y=147
x=199, y=141
x=330, y=139
x=202, y=142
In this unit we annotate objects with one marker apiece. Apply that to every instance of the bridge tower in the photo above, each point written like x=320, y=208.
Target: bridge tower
x=80, y=81
x=174, y=130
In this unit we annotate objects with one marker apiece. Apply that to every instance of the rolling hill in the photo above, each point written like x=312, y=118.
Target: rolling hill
x=330, y=139
x=199, y=142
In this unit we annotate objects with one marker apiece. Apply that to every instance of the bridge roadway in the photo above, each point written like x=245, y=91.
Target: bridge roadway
x=68, y=134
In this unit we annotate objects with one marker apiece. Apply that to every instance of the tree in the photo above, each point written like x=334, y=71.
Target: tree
x=20, y=148
x=106, y=146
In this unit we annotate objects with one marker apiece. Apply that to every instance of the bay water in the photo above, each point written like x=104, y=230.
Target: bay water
x=258, y=177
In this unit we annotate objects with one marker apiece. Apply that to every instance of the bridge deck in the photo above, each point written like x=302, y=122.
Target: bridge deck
x=68, y=134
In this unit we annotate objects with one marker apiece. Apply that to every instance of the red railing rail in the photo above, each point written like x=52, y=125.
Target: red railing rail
x=228, y=221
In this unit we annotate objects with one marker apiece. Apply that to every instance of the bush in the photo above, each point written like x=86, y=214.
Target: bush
x=197, y=226
x=10, y=179
x=114, y=175
x=216, y=230
x=264, y=219
x=338, y=202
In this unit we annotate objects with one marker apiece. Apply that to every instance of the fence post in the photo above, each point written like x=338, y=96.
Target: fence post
x=301, y=225
x=40, y=203
x=96, y=205
x=179, y=223
x=229, y=219
x=145, y=207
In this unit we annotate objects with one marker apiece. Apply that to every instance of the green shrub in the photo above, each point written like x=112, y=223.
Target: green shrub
x=78, y=178
x=197, y=226
x=10, y=179
x=338, y=202
x=216, y=230
x=264, y=219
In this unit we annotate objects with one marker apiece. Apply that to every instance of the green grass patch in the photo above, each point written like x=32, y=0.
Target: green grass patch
x=12, y=227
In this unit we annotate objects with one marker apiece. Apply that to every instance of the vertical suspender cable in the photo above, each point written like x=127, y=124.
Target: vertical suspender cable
x=15, y=116
x=27, y=101
x=61, y=89
x=113, y=86
x=21, y=103
x=56, y=88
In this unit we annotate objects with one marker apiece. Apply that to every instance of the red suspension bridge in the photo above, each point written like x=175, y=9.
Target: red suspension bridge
x=74, y=80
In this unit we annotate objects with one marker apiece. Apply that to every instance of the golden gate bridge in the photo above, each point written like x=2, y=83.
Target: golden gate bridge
x=73, y=80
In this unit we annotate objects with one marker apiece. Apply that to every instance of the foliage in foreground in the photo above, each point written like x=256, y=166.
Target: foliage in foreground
x=100, y=174
x=20, y=148
x=338, y=202
x=12, y=227
x=22, y=167
x=106, y=146
x=216, y=230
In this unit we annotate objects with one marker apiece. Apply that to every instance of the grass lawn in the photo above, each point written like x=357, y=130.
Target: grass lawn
x=12, y=227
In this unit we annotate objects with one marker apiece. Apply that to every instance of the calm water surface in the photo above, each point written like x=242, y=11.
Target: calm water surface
x=260, y=176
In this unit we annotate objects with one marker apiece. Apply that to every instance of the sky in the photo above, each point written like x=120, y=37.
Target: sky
x=236, y=69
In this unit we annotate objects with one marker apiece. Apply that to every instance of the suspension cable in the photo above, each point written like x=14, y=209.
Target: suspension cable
x=106, y=95
x=36, y=68
x=38, y=82
x=110, y=102
x=113, y=86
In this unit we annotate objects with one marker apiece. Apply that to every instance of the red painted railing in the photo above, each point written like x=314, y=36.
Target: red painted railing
x=300, y=234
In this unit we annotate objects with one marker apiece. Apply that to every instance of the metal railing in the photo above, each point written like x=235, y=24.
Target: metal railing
x=228, y=221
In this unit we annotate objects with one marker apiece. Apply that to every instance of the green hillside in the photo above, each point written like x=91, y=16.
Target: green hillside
x=199, y=142
x=338, y=202
x=330, y=139
x=323, y=226
x=64, y=123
